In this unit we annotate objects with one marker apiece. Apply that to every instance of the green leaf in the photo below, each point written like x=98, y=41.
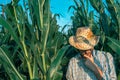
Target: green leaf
x=5, y=24
x=55, y=64
x=114, y=45
x=4, y=57
x=119, y=76
x=35, y=70
x=58, y=75
x=15, y=2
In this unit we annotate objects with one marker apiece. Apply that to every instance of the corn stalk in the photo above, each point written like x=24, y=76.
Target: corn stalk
x=38, y=43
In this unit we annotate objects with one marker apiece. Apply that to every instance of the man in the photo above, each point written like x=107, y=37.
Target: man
x=89, y=64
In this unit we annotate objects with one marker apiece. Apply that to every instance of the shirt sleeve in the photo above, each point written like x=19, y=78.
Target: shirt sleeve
x=112, y=72
x=69, y=71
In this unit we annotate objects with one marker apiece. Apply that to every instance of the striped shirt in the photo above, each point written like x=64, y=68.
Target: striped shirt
x=78, y=71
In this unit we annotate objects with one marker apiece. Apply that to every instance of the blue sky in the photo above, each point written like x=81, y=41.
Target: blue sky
x=57, y=7
x=61, y=7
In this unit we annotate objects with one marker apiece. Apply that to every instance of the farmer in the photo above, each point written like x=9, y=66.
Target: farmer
x=89, y=64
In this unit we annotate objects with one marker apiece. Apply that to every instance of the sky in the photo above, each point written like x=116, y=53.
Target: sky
x=56, y=7
x=61, y=7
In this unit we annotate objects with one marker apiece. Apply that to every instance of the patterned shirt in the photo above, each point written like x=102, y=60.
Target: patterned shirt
x=78, y=71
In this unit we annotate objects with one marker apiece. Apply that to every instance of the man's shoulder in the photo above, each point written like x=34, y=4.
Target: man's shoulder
x=99, y=51
x=108, y=54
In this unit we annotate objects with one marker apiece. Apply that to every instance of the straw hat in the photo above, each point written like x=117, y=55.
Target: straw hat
x=84, y=39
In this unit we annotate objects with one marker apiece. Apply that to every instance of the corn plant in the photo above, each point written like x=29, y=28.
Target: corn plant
x=32, y=48
x=103, y=17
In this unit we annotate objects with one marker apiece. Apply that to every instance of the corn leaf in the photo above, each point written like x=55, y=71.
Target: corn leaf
x=55, y=64
x=58, y=75
x=5, y=24
x=114, y=45
x=4, y=57
x=35, y=70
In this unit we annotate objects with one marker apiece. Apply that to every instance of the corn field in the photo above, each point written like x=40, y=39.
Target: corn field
x=33, y=48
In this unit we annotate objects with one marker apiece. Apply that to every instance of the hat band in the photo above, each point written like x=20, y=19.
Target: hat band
x=83, y=39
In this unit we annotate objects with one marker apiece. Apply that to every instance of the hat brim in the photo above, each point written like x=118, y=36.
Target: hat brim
x=83, y=45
